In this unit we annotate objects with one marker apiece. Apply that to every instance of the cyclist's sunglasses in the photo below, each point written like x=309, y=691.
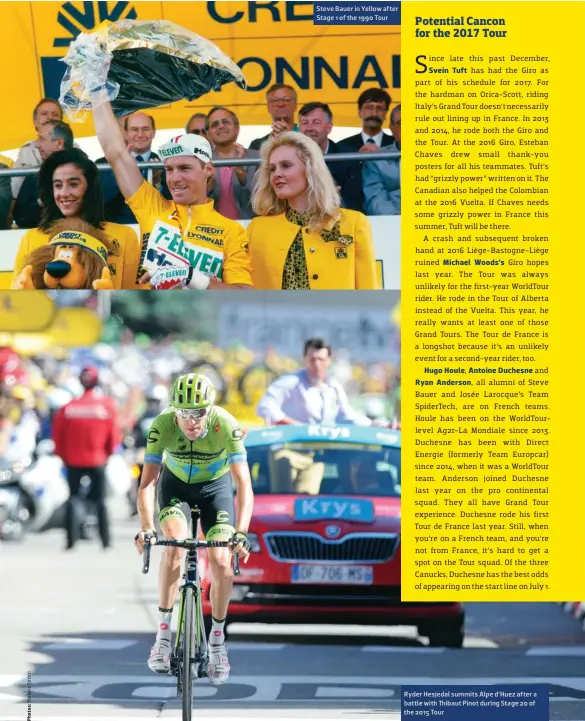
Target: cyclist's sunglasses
x=186, y=414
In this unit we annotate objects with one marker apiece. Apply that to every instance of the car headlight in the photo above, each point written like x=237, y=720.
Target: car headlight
x=254, y=542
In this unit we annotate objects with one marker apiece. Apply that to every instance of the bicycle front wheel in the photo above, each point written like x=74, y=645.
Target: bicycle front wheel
x=188, y=652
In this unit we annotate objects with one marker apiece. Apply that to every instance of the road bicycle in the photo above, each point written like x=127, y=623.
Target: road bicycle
x=189, y=657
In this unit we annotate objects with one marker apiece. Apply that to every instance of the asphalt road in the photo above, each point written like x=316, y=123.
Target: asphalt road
x=81, y=623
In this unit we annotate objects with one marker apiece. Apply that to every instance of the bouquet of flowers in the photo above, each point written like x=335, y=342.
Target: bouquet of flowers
x=142, y=64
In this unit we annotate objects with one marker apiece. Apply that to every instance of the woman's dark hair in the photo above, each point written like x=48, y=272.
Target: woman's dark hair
x=93, y=202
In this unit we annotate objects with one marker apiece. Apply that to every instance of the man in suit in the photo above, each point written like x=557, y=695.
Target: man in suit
x=230, y=186
x=382, y=178
x=139, y=131
x=373, y=106
x=316, y=122
x=281, y=100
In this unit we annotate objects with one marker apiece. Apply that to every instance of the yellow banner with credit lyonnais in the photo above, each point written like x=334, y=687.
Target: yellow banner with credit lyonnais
x=272, y=42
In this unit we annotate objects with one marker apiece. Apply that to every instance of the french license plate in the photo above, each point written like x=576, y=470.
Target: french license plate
x=347, y=575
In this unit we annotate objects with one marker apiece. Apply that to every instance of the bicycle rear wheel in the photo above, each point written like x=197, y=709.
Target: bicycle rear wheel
x=188, y=652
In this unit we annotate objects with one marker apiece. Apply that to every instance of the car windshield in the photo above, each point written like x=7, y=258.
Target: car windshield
x=315, y=468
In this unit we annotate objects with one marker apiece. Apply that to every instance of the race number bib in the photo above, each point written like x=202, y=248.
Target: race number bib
x=166, y=247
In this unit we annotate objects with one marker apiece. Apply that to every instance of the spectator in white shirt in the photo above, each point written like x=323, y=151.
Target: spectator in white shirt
x=309, y=396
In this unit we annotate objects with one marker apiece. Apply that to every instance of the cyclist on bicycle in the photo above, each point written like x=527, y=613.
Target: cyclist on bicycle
x=203, y=451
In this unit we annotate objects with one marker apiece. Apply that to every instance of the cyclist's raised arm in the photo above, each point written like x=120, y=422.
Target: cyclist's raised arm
x=108, y=131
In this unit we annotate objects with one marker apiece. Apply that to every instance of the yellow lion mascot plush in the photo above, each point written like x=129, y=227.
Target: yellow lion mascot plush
x=75, y=258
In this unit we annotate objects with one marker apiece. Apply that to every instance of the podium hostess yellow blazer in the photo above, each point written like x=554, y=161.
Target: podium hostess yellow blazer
x=345, y=264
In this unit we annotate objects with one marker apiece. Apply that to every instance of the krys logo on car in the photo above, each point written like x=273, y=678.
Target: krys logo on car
x=334, y=508
x=329, y=432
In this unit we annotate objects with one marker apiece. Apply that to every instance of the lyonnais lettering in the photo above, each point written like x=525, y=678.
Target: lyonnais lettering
x=312, y=72
x=197, y=236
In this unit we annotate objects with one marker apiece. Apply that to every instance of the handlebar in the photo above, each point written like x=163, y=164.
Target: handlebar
x=190, y=544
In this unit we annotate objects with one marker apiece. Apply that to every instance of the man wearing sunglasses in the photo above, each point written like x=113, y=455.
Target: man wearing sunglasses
x=230, y=187
x=203, y=451
x=197, y=124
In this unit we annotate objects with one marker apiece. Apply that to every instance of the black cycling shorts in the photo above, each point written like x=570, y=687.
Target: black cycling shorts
x=215, y=500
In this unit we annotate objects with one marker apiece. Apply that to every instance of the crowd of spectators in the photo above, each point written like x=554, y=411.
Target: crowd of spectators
x=307, y=210
x=137, y=371
x=372, y=187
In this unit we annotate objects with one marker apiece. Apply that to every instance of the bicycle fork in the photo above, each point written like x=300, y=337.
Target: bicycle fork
x=191, y=580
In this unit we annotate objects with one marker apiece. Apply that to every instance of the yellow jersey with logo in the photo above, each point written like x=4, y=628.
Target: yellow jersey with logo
x=347, y=262
x=205, y=239
x=122, y=262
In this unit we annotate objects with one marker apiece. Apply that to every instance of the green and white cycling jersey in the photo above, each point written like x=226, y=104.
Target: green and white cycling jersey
x=203, y=459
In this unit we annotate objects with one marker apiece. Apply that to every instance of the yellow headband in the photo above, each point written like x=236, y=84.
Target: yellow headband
x=70, y=237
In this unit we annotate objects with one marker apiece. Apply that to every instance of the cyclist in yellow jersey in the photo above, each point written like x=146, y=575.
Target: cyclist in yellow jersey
x=210, y=251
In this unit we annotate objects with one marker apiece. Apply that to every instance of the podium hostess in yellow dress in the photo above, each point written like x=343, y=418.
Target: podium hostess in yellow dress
x=303, y=239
